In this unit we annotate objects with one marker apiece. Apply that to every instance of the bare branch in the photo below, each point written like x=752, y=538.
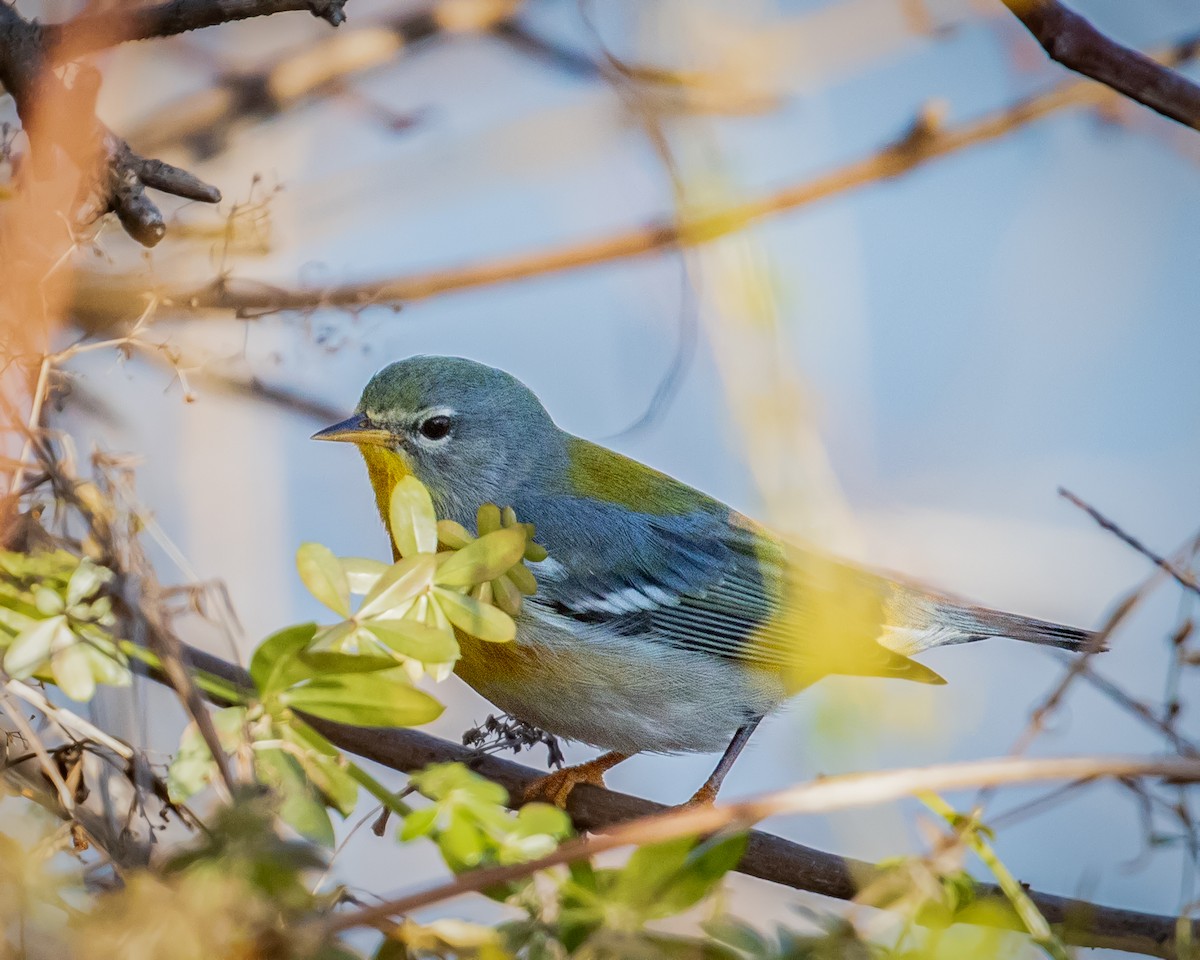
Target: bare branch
x=90, y=32
x=819, y=796
x=1072, y=41
x=769, y=857
x=61, y=117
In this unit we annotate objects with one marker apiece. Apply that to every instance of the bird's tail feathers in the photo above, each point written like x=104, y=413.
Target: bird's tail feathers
x=964, y=623
x=920, y=619
x=978, y=623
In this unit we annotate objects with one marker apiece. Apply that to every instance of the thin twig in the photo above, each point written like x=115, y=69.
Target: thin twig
x=67, y=720
x=1184, y=578
x=66, y=796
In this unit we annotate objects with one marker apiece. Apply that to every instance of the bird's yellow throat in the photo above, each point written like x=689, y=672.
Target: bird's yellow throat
x=386, y=468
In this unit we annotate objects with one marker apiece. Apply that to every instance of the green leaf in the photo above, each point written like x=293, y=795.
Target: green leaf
x=462, y=844
x=362, y=572
x=411, y=516
x=322, y=573
x=664, y=879
x=332, y=779
x=192, y=767
x=419, y=823
x=483, y=559
x=48, y=602
x=535, y=818
x=73, y=672
x=399, y=584
x=269, y=666
x=299, y=806
x=86, y=580
x=476, y=618
x=32, y=648
x=439, y=780
x=325, y=662
x=364, y=699
x=415, y=640
x=108, y=666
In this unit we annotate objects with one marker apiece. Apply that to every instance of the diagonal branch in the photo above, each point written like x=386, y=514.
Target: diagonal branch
x=102, y=300
x=1072, y=41
x=767, y=857
x=819, y=796
x=90, y=32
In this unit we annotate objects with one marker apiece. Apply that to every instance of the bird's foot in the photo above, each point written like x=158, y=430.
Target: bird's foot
x=556, y=787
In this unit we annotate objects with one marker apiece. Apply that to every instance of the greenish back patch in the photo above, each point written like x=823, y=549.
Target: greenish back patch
x=601, y=474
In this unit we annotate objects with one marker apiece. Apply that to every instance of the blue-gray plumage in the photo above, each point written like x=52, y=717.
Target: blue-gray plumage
x=663, y=620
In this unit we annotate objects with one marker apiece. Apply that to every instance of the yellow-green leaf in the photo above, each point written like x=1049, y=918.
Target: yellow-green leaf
x=33, y=647
x=322, y=573
x=485, y=559
x=487, y=519
x=522, y=579
x=416, y=640
x=362, y=573
x=506, y=596
x=364, y=699
x=453, y=534
x=476, y=618
x=73, y=672
x=400, y=583
x=413, y=522
x=86, y=580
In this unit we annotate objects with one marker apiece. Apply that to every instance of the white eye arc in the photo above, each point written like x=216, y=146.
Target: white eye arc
x=434, y=426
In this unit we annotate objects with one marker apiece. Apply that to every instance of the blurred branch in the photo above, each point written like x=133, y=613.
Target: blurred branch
x=102, y=300
x=820, y=796
x=90, y=32
x=204, y=118
x=769, y=857
x=1072, y=41
x=57, y=116
x=281, y=397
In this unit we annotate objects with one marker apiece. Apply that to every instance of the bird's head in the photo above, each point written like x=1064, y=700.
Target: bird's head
x=469, y=432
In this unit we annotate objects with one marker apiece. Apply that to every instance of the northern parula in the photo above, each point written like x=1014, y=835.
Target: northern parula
x=663, y=621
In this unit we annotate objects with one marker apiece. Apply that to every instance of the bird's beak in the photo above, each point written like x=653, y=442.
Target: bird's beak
x=356, y=429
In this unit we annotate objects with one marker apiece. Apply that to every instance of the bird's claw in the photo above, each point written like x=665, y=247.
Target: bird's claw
x=556, y=787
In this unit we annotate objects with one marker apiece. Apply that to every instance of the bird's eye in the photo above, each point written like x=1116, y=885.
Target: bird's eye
x=434, y=428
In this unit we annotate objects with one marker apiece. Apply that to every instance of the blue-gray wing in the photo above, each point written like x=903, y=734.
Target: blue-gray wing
x=707, y=581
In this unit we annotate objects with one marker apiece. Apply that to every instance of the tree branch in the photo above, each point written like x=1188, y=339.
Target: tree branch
x=819, y=796
x=90, y=32
x=1072, y=41
x=101, y=301
x=767, y=857
x=56, y=116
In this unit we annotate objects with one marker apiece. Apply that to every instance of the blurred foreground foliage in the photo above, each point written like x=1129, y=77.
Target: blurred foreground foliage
x=251, y=880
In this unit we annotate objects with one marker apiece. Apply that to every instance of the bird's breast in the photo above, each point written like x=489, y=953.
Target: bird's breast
x=627, y=693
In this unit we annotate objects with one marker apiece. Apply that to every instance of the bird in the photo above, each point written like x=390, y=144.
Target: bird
x=664, y=621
